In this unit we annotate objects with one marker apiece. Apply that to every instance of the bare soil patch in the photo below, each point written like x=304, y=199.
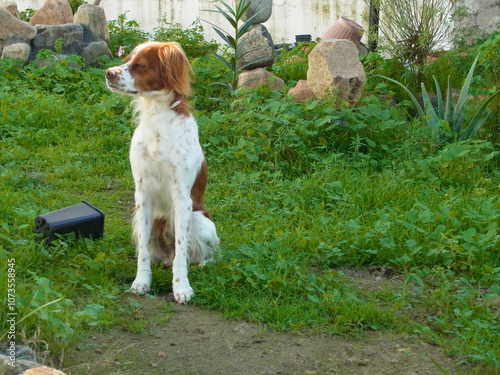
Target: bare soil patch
x=190, y=340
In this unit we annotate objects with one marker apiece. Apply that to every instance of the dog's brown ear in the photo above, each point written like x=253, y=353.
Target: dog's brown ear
x=175, y=68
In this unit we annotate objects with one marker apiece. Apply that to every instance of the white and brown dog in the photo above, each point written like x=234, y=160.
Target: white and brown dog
x=169, y=168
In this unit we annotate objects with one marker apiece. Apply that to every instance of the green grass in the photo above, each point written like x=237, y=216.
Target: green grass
x=299, y=194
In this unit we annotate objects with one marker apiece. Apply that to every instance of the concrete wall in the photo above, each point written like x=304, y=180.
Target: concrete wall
x=483, y=14
x=289, y=17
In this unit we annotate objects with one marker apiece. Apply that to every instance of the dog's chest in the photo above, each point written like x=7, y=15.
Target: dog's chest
x=159, y=150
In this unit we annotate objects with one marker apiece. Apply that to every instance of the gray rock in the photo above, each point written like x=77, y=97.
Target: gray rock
x=95, y=50
x=17, y=361
x=71, y=34
x=258, y=47
x=335, y=68
x=14, y=30
x=95, y=17
x=261, y=9
x=17, y=50
x=16, y=367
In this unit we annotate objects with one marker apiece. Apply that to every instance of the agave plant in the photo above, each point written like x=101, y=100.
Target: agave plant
x=233, y=16
x=452, y=116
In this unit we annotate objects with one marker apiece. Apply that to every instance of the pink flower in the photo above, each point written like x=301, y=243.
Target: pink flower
x=121, y=50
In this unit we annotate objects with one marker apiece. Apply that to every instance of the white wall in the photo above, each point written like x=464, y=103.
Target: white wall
x=289, y=17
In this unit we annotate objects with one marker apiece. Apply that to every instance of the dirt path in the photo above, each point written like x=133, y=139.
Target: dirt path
x=189, y=340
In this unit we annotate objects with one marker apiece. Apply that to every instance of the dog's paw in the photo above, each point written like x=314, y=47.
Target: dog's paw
x=183, y=293
x=141, y=284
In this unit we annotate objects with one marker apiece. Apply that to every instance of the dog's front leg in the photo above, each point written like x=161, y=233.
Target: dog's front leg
x=143, y=221
x=180, y=282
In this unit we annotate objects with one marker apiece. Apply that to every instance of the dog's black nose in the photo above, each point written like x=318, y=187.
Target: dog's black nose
x=109, y=73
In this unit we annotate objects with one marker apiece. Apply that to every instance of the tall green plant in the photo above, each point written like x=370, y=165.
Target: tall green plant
x=412, y=29
x=233, y=16
x=451, y=116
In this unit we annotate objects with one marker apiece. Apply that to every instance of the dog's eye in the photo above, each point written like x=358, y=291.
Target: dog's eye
x=138, y=66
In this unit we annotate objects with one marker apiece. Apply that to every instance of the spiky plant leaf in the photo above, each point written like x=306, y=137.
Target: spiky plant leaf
x=440, y=99
x=478, y=119
x=450, y=111
x=429, y=109
x=462, y=99
x=222, y=60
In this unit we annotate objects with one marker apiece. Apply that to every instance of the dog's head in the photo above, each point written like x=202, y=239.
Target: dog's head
x=152, y=67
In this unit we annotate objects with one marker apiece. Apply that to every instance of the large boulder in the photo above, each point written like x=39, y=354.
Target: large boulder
x=94, y=50
x=261, y=9
x=53, y=12
x=258, y=77
x=14, y=30
x=11, y=6
x=71, y=35
x=335, y=68
x=258, y=48
x=17, y=51
x=95, y=17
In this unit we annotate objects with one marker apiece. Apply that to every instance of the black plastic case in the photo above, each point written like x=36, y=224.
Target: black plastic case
x=83, y=219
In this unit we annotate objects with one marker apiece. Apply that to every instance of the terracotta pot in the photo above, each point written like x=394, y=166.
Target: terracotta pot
x=344, y=28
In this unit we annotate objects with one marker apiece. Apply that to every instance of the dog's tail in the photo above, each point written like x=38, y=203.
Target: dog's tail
x=202, y=239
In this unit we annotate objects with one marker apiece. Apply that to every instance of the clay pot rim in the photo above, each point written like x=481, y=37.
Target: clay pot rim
x=354, y=23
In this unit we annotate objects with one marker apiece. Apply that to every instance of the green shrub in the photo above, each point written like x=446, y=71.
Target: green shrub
x=446, y=122
x=412, y=30
x=293, y=65
x=277, y=132
x=25, y=15
x=124, y=35
x=75, y=4
x=233, y=43
x=191, y=39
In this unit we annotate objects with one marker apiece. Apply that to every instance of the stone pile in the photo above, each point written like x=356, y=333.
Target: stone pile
x=258, y=50
x=335, y=69
x=85, y=34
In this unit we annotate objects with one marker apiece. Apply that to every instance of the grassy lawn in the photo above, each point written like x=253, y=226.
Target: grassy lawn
x=300, y=194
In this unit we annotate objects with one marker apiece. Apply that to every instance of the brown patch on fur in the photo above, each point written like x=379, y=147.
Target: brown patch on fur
x=176, y=68
x=162, y=234
x=161, y=66
x=182, y=108
x=145, y=68
x=198, y=189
